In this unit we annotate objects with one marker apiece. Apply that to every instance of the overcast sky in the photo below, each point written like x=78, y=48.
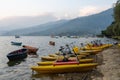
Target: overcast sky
x=58, y=8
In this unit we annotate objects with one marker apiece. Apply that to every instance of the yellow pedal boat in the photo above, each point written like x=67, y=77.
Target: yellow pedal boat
x=96, y=48
x=90, y=51
x=78, y=51
x=119, y=44
x=51, y=62
x=48, y=58
x=64, y=68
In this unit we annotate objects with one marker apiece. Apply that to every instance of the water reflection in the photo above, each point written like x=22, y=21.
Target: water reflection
x=50, y=76
x=12, y=63
x=64, y=76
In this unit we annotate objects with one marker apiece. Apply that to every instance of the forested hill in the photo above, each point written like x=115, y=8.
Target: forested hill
x=113, y=30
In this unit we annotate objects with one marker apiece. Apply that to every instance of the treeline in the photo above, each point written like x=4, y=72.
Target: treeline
x=114, y=29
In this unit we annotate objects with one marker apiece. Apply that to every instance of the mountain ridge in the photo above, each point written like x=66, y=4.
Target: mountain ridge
x=92, y=24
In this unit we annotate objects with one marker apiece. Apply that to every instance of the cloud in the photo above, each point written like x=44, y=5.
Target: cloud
x=66, y=15
x=84, y=11
x=63, y=16
x=89, y=10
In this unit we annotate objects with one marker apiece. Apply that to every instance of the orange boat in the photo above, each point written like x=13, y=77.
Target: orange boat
x=52, y=43
x=31, y=50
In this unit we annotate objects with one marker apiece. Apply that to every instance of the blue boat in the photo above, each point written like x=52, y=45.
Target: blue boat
x=17, y=36
x=16, y=43
x=17, y=54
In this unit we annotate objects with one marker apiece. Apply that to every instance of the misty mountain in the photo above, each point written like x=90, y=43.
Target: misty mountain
x=92, y=24
x=19, y=22
x=38, y=28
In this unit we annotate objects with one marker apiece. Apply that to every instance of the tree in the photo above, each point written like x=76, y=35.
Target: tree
x=114, y=28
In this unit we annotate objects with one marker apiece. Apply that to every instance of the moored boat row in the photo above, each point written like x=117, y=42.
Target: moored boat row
x=68, y=59
x=76, y=62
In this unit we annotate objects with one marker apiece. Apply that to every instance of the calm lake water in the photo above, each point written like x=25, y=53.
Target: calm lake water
x=20, y=70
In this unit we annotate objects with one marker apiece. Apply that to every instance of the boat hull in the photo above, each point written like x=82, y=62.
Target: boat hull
x=17, y=55
x=84, y=54
x=97, y=47
x=16, y=43
x=48, y=58
x=51, y=62
x=64, y=68
x=31, y=50
x=91, y=51
x=85, y=51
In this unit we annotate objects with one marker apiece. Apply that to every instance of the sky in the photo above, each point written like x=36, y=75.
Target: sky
x=59, y=8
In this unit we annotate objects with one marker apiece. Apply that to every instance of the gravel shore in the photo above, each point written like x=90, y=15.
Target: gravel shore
x=108, y=68
x=109, y=64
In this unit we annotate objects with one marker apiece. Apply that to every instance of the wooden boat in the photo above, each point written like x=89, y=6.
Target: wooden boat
x=17, y=55
x=52, y=43
x=51, y=62
x=65, y=68
x=16, y=43
x=31, y=50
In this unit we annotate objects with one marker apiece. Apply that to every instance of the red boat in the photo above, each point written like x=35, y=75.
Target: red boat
x=31, y=50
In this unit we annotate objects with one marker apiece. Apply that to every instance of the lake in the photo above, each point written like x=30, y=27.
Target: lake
x=20, y=70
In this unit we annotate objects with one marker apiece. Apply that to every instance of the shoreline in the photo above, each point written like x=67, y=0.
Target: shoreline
x=108, y=68
x=109, y=64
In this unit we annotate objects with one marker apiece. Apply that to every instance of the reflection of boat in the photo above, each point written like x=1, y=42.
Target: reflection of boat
x=16, y=43
x=17, y=55
x=12, y=63
x=65, y=68
x=31, y=50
